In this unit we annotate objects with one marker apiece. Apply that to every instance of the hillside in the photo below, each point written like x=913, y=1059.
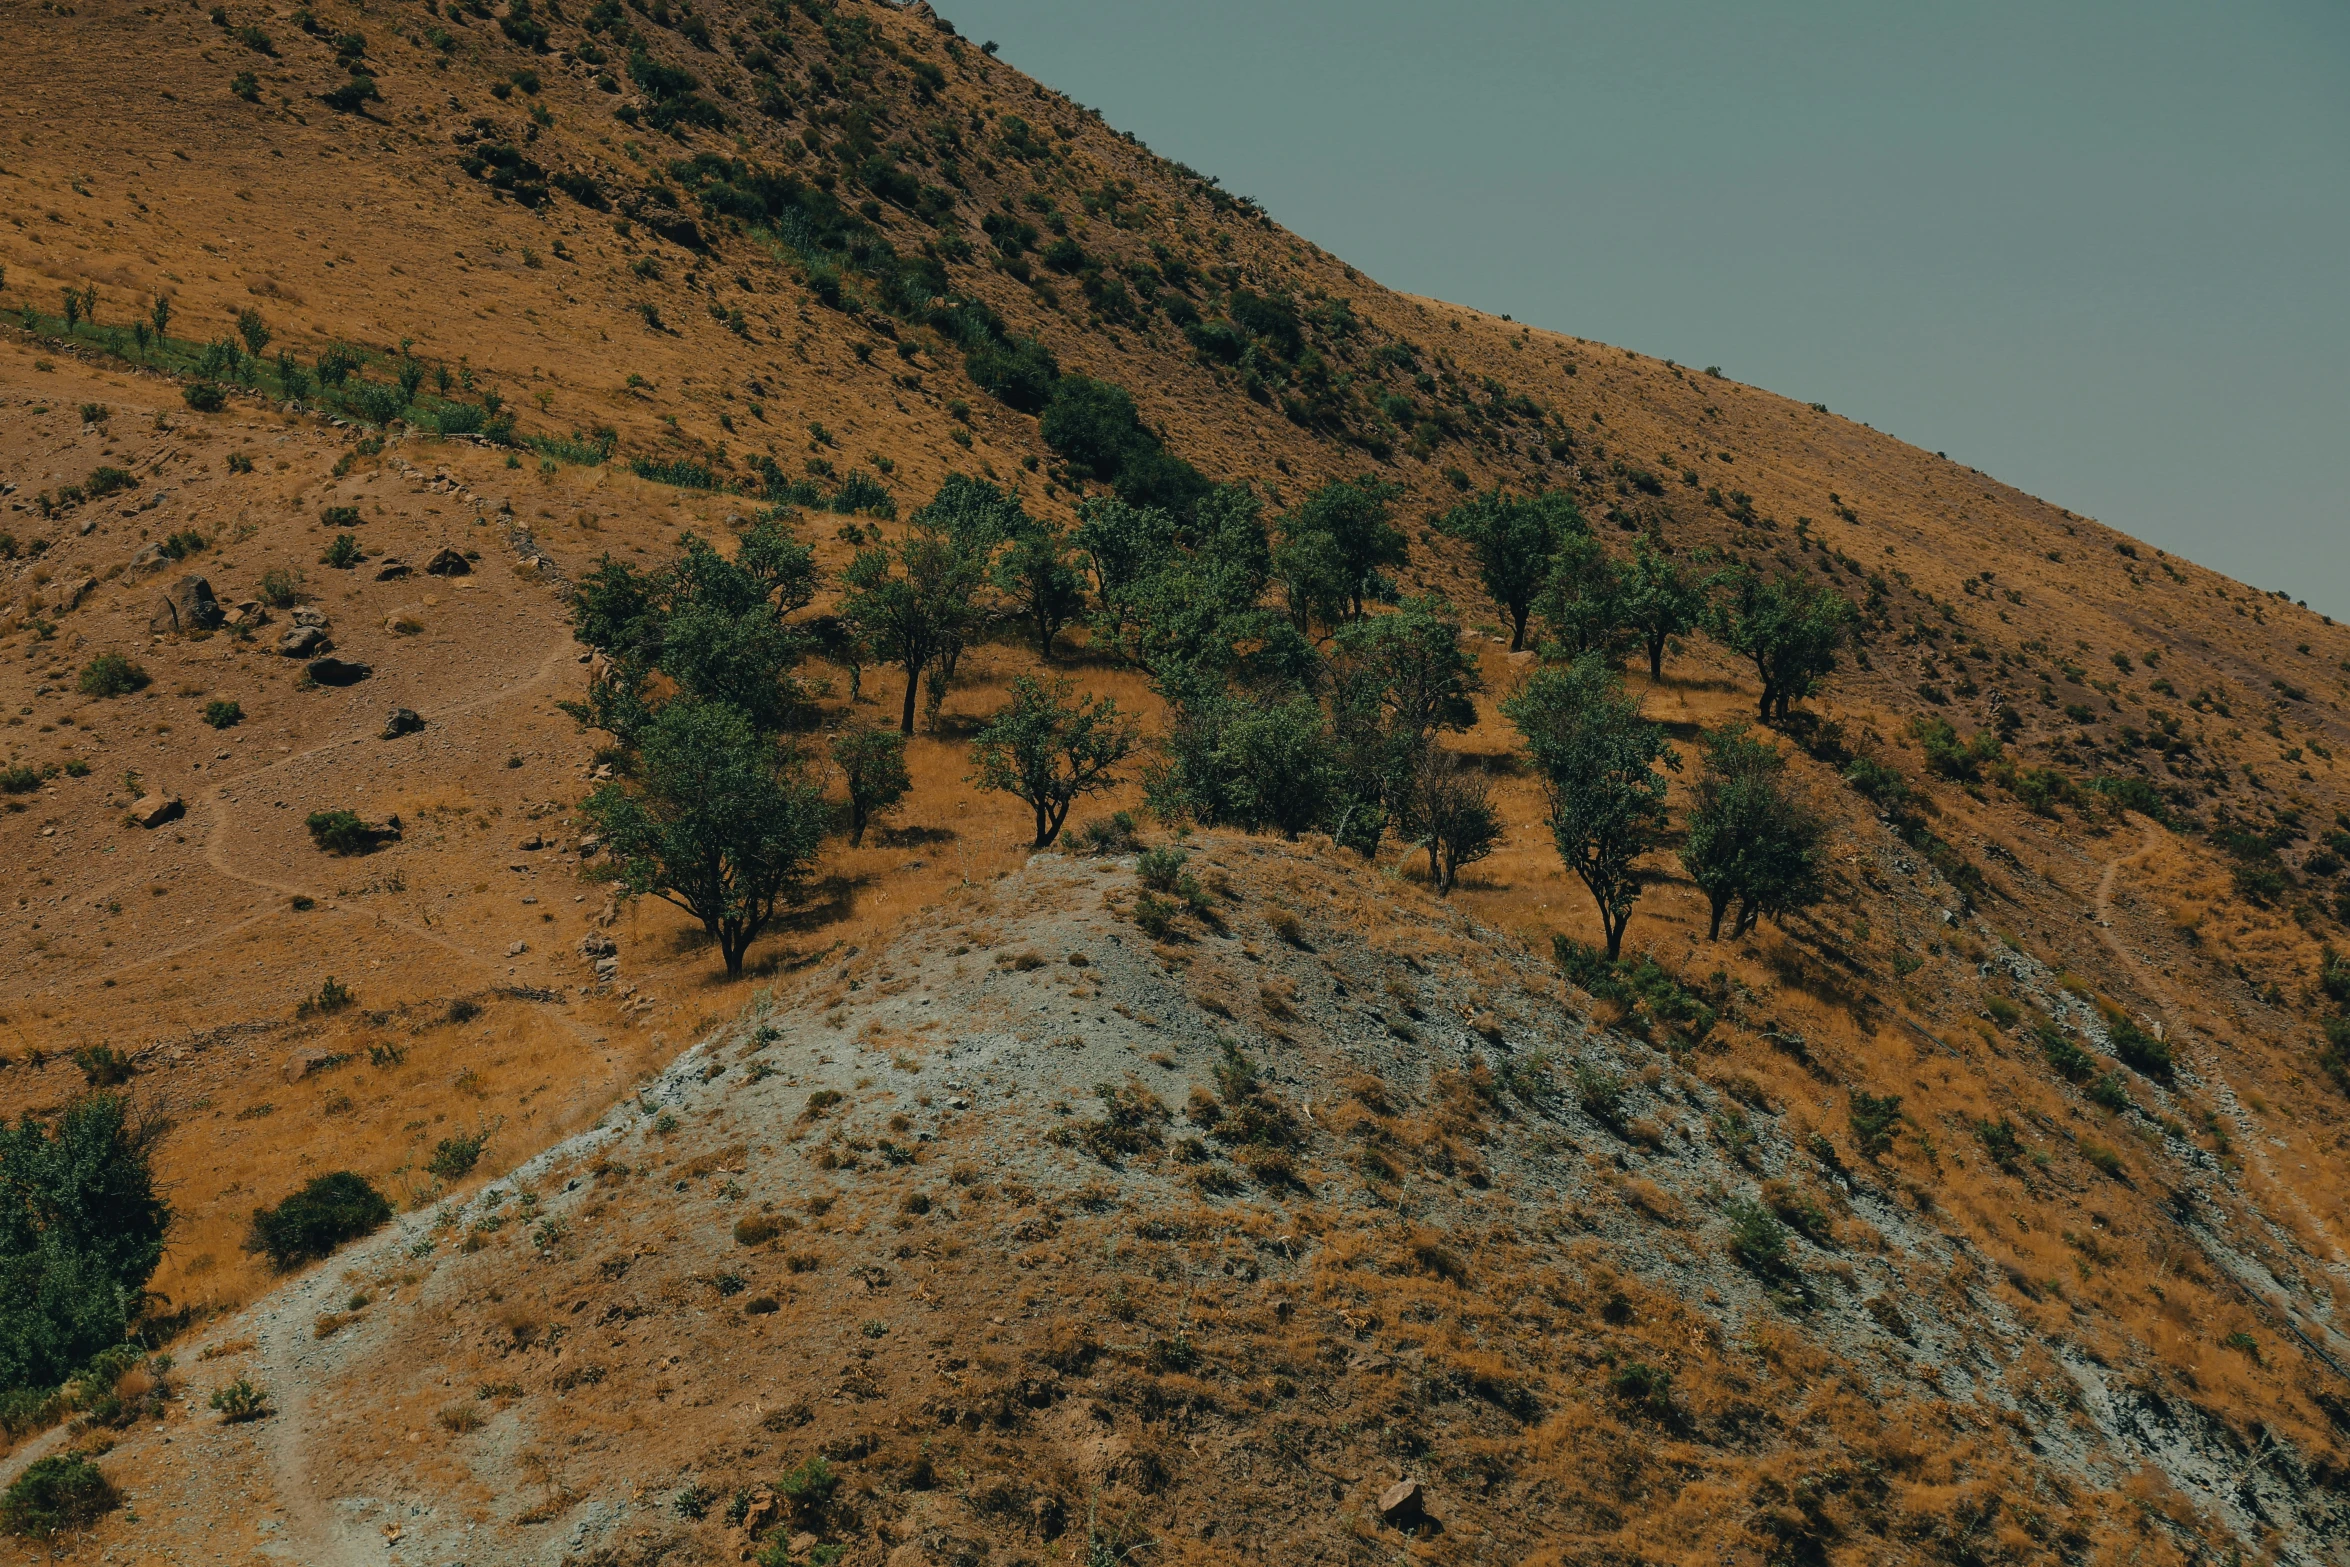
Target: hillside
x=651, y=272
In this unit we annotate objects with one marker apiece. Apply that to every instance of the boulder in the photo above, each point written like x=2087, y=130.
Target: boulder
x=153, y=810
x=70, y=595
x=248, y=612
x=305, y=1061
x=391, y=569
x=1402, y=1504
x=338, y=671
x=534, y=841
x=189, y=606
x=304, y=642
x=311, y=615
x=149, y=557
x=446, y=562
x=404, y=721
x=595, y=944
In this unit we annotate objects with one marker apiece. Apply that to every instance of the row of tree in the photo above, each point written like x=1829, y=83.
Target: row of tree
x=1292, y=705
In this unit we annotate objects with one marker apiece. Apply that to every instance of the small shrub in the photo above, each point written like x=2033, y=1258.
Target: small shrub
x=755, y=1229
x=60, y=1492
x=2070, y=1060
x=2109, y=1092
x=330, y=998
x=1876, y=1121
x=340, y=516
x=105, y=481
x=2001, y=1143
x=1114, y=836
x=460, y=1418
x=2105, y=1159
x=19, y=779
x=807, y=1488
x=278, y=589
x=2140, y=1051
x=340, y=832
x=111, y=674
x=240, y=1401
x=103, y=1066
x=1155, y=916
x=311, y=1223
x=205, y=397
x=453, y=1158
x=1161, y=868
x=1649, y=1386
x=223, y=714
x=343, y=553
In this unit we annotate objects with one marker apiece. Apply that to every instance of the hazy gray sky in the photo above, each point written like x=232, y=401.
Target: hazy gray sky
x=2100, y=250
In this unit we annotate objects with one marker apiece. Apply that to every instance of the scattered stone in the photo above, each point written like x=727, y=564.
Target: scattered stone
x=595, y=944
x=588, y=847
x=517, y=949
x=338, y=671
x=71, y=595
x=189, y=606
x=404, y=721
x=1401, y=1504
x=391, y=569
x=153, y=810
x=149, y=557
x=311, y=615
x=447, y=562
x=248, y=612
x=534, y=841
x=304, y=642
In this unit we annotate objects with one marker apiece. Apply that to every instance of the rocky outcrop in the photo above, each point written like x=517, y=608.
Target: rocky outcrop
x=188, y=607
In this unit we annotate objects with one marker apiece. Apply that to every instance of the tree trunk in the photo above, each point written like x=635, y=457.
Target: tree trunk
x=1436, y=876
x=732, y=944
x=1518, y=627
x=1656, y=658
x=1765, y=709
x=856, y=824
x=1713, y=930
x=914, y=684
x=1044, y=827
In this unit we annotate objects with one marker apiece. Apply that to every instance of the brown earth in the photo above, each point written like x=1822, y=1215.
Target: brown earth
x=135, y=171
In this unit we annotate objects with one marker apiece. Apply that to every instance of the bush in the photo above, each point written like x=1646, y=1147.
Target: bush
x=20, y=779
x=1114, y=836
x=205, y=397
x=341, y=832
x=339, y=516
x=315, y=1220
x=240, y=1401
x=343, y=553
x=2070, y=1060
x=1161, y=868
x=60, y=1492
x=2140, y=1051
x=111, y=674
x=223, y=714
x=103, y=1066
x=103, y=482
x=278, y=589
x=453, y=1158
x=331, y=997
x=1876, y=1121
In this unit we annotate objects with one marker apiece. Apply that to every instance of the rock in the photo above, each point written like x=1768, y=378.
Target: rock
x=70, y=596
x=153, y=810
x=517, y=949
x=446, y=562
x=311, y=615
x=404, y=721
x=149, y=557
x=1401, y=1504
x=189, y=606
x=305, y=1061
x=589, y=846
x=248, y=612
x=534, y=841
x=804, y=1542
x=304, y=642
x=391, y=569
x=595, y=944
x=338, y=671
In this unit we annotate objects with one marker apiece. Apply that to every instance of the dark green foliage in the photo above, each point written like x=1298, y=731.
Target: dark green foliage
x=105, y=481
x=1395, y=682
x=339, y=516
x=1039, y=577
x=204, y=397
x=682, y=472
x=1094, y=426
x=103, y=1066
x=1019, y=372
x=1598, y=760
x=873, y=765
x=110, y=674
x=808, y=1488
x=2001, y=1143
x=331, y=997
x=1049, y=751
x=1657, y=601
x=1514, y=539
x=718, y=820
x=54, y=1494
x=671, y=96
x=81, y=1230
x=1582, y=598
x=1751, y=839
x=1789, y=628
x=342, y=832
x=916, y=603
x=1876, y=1121
x=2070, y=1061
x=310, y=1224
x=1758, y=1243
x=2109, y=1091
x=353, y=96
x=1337, y=547
x=2132, y=793
x=1947, y=754
x=453, y=1158
x=1650, y=1387
x=2139, y=1050
x=343, y=554
x=1645, y=987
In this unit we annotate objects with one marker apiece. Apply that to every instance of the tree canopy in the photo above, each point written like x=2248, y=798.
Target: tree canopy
x=1751, y=839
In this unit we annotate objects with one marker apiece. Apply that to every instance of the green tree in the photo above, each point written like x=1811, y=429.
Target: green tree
x=1448, y=808
x=1789, y=628
x=253, y=330
x=915, y=602
x=1750, y=839
x=1040, y=581
x=1337, y=547
x=81, y=1230
x=1396, y=681
x=872, y=763
x=1598, y=759
x=1049, y=751
x=1582, y=597
x=1513, y=538
x=160, y=314
x=1656, y=600
x=1255, y=761
x=717, y=821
